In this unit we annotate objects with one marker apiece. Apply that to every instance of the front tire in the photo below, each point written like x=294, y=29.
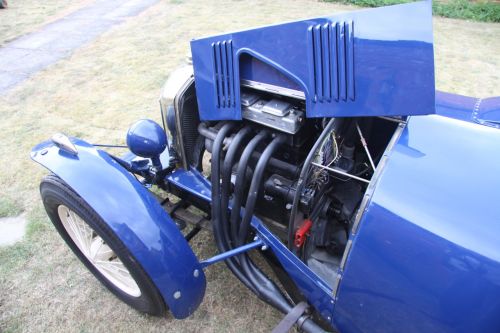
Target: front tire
x=98, y=247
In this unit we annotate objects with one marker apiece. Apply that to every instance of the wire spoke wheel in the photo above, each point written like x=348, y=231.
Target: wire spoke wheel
x=99, y=247
x=97, y=251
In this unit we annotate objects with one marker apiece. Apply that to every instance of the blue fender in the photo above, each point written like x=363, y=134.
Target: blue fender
x=136, y=217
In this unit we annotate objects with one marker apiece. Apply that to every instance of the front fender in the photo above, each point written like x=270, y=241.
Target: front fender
x=136, y=217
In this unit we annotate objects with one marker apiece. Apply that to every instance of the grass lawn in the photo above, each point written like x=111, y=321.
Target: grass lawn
x=96, y=94
x=482, y=10
x=23, y=16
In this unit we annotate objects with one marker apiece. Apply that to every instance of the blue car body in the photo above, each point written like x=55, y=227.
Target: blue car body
x=363, y=63
x=135, y=215
x=424, y=252
x=425, y=257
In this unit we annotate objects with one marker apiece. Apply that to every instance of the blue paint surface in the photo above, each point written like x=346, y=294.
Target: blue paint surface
x=146, y=138
x=426, y=257
x=455, y=106
x=364, y=63
x=484, y=111
x=136, y=217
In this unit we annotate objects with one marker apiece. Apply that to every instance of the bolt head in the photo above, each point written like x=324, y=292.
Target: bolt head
x=196, y=273
x=264, y=247
x=177, y=295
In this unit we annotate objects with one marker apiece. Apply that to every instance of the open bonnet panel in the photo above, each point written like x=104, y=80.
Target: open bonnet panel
x=376, y=62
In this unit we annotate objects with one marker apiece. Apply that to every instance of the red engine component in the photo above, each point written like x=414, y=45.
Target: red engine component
x=302, y=233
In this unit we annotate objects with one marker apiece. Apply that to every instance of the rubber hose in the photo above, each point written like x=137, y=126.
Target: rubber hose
x=281, y=166
x=235, y=146
x=255, y=187
x=221, y=243
x=268, y=291
x=259, y=278
x=266, y=287
x=240, y=181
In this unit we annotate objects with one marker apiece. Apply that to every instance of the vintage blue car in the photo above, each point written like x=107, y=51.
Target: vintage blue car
x=319, y=147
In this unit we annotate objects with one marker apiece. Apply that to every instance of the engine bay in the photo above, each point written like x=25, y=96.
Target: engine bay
x=303, y=177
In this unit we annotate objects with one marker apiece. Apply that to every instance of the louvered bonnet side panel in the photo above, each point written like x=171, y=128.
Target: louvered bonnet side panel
x=224, y=74
x=333, y=61
x=376, y=62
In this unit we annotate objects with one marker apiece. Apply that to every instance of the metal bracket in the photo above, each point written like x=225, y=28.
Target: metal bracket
x=234, y=252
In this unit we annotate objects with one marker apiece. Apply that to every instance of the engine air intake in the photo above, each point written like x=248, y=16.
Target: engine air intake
x=224, y=73
x=333, y=60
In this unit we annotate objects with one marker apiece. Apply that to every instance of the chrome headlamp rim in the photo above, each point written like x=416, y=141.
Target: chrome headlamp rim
x=176, y=84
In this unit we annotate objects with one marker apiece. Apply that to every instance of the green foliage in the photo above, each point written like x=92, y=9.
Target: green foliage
x=38, y=222
x=485, y=11
x=15, y=256
x=9, y=208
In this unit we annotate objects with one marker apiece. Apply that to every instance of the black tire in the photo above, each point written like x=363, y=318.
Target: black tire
x=56, y=192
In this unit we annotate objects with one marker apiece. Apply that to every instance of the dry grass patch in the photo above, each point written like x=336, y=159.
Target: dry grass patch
x=9, y=207
x=96, y=94
x=23, y=16
x=467, y=56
